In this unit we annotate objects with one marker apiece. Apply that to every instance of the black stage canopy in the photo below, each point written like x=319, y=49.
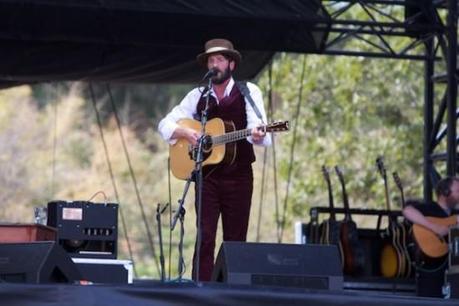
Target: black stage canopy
x=147, y=40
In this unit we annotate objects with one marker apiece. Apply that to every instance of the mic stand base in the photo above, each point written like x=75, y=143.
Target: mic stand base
x=180, y=216
x=180, y=246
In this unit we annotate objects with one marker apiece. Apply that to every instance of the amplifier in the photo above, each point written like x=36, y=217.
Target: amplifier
x=85, y=229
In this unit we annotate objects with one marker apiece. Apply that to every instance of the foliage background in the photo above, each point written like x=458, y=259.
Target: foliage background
x=352, y=110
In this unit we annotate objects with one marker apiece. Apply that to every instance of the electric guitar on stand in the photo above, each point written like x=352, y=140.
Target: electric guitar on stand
x=353, y=252
x=392, y=262
x=219, y=144
x=330, y=228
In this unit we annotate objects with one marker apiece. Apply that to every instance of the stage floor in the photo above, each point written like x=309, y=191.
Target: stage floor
x=156, y=293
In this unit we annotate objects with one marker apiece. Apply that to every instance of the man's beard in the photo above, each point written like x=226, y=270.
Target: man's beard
x=220, y=78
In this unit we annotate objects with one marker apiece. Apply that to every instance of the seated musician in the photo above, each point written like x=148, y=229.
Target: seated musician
x=430, y=271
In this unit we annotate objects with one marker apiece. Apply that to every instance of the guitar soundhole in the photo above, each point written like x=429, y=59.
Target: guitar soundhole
x=207, y=144
x=206, y=148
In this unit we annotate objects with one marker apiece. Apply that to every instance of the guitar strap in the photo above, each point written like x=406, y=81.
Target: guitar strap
x=242, y=86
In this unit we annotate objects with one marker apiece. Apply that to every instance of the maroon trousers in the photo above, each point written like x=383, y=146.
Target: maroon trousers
x=229, y=196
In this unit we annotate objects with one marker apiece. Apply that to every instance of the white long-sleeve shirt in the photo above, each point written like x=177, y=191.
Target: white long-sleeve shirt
x=188, y=105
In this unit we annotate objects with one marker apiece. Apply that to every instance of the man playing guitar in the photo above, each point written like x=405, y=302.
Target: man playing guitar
x=431, y=224
x=227, y=188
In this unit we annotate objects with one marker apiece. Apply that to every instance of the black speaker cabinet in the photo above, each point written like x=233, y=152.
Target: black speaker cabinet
x=36, y=262
x=283, y=265
x=85, y=229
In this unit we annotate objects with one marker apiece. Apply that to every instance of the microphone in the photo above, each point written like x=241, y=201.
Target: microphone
x=212, y=72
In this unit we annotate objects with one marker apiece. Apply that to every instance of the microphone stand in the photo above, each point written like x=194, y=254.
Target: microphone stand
x=196, y=175
x=199, y=180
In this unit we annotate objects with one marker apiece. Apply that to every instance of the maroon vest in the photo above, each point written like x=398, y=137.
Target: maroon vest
x=231, y=108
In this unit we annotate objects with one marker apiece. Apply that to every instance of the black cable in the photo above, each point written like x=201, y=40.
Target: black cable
x=170, y=213
x=262, y=193
x=276, y=190
x=112, y=177
x=265, y=157
x=53, y=175
x=134, y=180
x=292, y=149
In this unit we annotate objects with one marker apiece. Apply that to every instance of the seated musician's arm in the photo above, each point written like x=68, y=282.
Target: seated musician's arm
x=415, y=216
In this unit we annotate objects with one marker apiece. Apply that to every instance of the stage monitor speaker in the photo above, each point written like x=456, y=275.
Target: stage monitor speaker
x=282, y=265
x=36, y=262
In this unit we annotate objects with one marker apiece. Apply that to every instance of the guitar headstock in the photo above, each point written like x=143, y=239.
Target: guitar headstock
x=381, y=167
x=278, y=126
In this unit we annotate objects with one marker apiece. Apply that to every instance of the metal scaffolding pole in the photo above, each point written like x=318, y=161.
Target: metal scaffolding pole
x=428, y=118
x=452, y=86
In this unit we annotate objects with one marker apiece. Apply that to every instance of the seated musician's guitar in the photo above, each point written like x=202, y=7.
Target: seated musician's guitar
x=219, y=144
x=429, y=242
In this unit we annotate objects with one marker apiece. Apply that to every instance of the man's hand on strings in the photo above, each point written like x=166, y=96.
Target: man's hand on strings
x=189, y=134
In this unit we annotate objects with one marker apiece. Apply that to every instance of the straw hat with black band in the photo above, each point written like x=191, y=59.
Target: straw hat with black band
x=218, y=45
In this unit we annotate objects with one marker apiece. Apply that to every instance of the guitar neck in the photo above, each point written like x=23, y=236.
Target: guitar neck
x=347, y=213
x=402, y=197
x=231, y=136
x=398, y=182
x=382, y=171
x=331, y=204
x=386, y=193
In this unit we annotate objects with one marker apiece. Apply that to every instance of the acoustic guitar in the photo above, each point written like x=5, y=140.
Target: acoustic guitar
x=219, y=144
x=353, y=252
x=330, y=228
x=429, y=242
x=392, y=261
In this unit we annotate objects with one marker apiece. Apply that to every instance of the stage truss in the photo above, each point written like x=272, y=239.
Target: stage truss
x=411, y=30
